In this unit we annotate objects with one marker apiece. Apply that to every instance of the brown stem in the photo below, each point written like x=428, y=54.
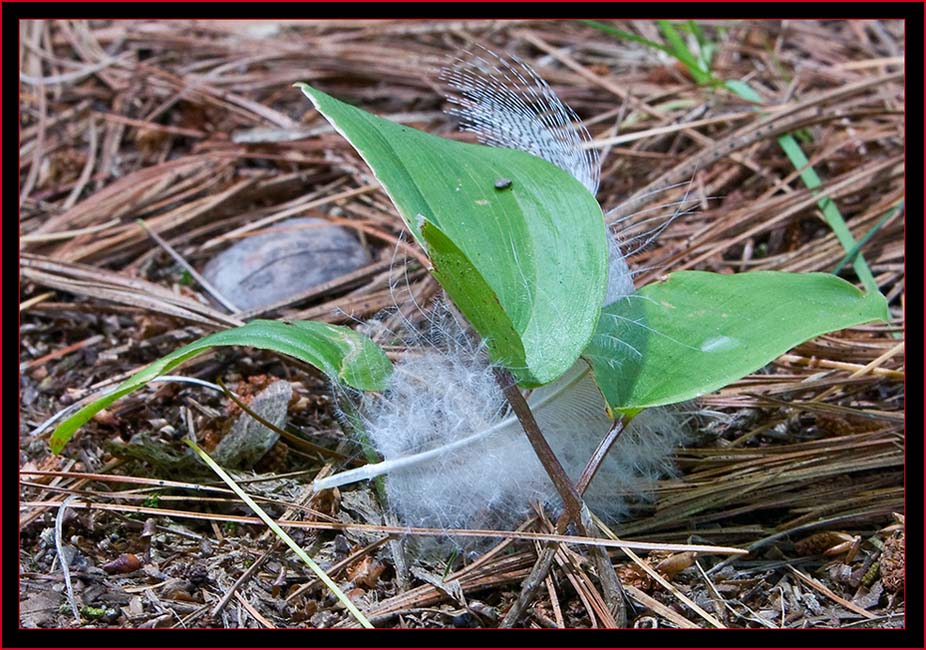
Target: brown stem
x=567, y=491
x=610, y=583
x=576, y=510
x=594, y=463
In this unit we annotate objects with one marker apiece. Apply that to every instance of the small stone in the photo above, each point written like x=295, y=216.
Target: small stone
x=502, y=183
x=249, y=440
x=264, y=269
x=341, y=545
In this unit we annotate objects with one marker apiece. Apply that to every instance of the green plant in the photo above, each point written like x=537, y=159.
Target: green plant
x=519, y=244
x=344, y=355
x=670, y=324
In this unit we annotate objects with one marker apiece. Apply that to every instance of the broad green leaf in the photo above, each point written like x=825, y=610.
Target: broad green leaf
x=696, y=332
x=525, y=261
x=339, y=352
x=457, y=275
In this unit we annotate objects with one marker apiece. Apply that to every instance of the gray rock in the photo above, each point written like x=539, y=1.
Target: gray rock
x=264, y=269
x=249, y=440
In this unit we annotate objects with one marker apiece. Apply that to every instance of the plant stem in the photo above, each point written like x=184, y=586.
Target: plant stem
x=372, y=470
x=567, y=491
x=544, y=561
x=576, y=510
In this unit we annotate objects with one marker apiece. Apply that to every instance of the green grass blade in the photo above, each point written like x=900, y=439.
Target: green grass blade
x=743, y=90
x=681, y=52
x=788, y=143
x=850, y=256
x=705, y=46
x=628, y=36
x=830, y=212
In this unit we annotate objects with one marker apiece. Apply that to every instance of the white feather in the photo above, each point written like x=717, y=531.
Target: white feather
x=454, y=457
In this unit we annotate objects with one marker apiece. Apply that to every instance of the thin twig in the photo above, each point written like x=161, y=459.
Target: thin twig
x=544, y=563
x=665, y=583
x=87, y=170
x=253, y=611
x=263, y=516
x=823, y=589
x=244, y=577
x=475, y=533
x=297, y=441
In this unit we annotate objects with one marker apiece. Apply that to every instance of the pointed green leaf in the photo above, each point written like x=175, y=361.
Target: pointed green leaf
x=341, y=353
x=517, y=243
x=696, y=332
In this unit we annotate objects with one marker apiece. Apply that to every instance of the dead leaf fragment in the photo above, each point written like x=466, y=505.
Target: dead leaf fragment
x=818, y=543
x=675, y=564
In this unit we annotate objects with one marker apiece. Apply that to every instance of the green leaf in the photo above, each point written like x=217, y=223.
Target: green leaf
x=517, y=243
x=339, y=352
x=706, y=47
x=696, y=332
x=471, y=294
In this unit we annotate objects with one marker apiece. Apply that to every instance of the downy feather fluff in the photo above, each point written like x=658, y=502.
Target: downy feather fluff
x=453, y=454
x=457, y=458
